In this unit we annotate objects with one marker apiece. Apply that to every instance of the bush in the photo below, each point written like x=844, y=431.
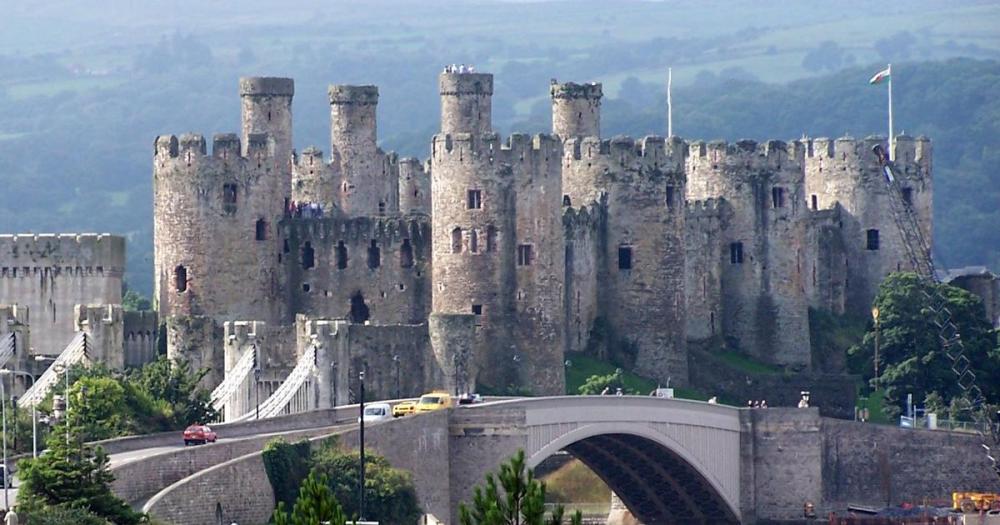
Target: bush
x=286, y=464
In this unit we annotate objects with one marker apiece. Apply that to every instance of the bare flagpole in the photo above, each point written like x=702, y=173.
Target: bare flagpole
x=670, y=105
x=892, y=137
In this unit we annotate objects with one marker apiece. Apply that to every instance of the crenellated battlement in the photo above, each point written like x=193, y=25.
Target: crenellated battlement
x=355, y=229
x=454, y=83
x=267, y=86
x=583, y=218
x=311, y=157
x=651, y=151
x=357, y=95
x=191, y=147
x=572, y=90
x=12, y=315
x=748, y=153
x=62, y=254
x=89, y=316
x=243, y=332
x=705, y=208
x=518, y=147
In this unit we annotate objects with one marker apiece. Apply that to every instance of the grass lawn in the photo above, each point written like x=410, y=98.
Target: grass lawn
x=746, y=363
x=583, y=366
x=874, y=403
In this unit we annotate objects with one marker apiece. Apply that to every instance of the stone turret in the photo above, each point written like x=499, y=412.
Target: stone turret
x=576, y=109
x=466, y=102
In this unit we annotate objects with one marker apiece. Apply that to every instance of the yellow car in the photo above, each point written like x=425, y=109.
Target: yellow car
x=433, y=401
x=403, y=408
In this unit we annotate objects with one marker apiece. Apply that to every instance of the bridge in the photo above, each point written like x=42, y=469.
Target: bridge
x=670, y=461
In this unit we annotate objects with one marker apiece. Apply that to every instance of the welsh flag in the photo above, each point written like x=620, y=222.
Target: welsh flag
x=880, y=76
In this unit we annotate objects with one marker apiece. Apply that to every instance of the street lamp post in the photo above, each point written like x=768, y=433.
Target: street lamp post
x=6, y=471
x=34, y=413
x=256, y=391
x=875, y=314
x=395, y=360
x=361, y=482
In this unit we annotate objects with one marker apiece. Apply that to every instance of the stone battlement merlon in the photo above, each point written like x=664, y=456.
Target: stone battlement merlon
x=348, y=94
x=704, y=207
x=571, y=90
x=267, y=86
x=77, y=254
x=664, y=153
x=587, y=217
x=244, y=331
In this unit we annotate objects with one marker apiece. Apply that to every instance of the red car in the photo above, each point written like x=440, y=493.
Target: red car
x=199, y=434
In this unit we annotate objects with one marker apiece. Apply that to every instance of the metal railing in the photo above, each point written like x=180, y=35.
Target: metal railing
x=300, y=377
x=74, y=353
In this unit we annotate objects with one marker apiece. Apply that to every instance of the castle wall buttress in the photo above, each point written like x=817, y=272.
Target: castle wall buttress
x=703, y=267
x=584, y=229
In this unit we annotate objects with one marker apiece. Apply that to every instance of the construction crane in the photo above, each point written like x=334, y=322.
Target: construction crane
x=918, y=250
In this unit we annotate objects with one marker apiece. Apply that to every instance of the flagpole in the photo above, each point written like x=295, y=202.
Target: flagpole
x=892, y=138
x=670, y=105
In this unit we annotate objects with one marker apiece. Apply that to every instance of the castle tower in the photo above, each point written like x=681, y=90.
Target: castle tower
x=576, y=109
x=414, y=187
x=846, y=171
x=267, y=108
x=466, y=102
x=367, y=179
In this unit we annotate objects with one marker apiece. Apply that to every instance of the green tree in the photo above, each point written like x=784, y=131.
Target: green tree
x=314, y=505
x=911, y=359
x=71, y=475
x=287, y=465
x=97, y=402
x=512, y=497
x=596, y=384
x=389, y=493
x=173, y=382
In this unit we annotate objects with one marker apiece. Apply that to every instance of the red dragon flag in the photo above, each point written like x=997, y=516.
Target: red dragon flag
x=880, y=76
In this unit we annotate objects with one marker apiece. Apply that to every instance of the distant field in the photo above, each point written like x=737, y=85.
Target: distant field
x=47, y=89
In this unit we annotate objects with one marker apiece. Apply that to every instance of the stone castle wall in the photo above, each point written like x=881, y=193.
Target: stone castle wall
x=50, y=274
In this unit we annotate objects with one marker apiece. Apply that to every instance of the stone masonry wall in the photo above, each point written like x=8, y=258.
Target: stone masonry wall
x=50, y=274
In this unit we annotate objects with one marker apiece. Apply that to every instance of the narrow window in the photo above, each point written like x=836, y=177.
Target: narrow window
x=181, y=279
x=491, y=239
x=359, y=310
x=778, y=197
x=524, y=255
x=306, y=287
x=907, y=196
x=406, y=254
x=229, y=198
x=815, y=203
x=624, y=257
x=341, y=255
x=736, y=253
x=566, y=201
x=474, y=241
x=374, y=255
x=475, y=199
x=284, y=246
x=670, y=196
x=381, y=208
x=308, y=256
x=872, y=240
x=261, y=230
x=456, y=240
x=477, y=309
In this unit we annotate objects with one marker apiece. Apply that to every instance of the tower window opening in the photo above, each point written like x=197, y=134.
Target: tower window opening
x=381, y=207
x=406, y=254
x=778, y=197
x=181, y=279
x=474, y=241
x=229, y=198
x=374, y=255
x=474, y=199
x=624, y=257
x=260, y=231
x=871, y=239
x=306, y=287
x=477, y=309
x=815, y=203
x=341, y=255
x=491, y=239
x=308, y=256
x=670, y=196
x=456, y=240
x=284, y=246
x=359, y=310
x=524, y=254
x=907, y=196
x=736, y=253
x=566, y=201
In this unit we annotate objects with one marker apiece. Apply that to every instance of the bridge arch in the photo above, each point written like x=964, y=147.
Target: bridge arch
x=670, y=460
x=656, y=477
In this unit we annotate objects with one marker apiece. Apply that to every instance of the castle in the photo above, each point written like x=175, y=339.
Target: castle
x=490, y=261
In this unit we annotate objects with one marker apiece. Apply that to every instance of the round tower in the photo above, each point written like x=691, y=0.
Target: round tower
x=576, y=109
x=414, y=187
x=466, y=102
x=267, y=108
x=367, y=185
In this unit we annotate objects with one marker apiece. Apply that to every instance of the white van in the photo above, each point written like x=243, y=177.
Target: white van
x=377, y=412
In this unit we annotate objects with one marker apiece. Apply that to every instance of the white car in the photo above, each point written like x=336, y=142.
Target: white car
x=377, y=412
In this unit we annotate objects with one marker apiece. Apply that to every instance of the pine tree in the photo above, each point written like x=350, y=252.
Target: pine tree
x=521, y=502
x=314, y=505
x=72, y=474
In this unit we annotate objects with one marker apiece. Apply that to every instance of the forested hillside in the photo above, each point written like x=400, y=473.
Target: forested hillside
x=81, y=106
